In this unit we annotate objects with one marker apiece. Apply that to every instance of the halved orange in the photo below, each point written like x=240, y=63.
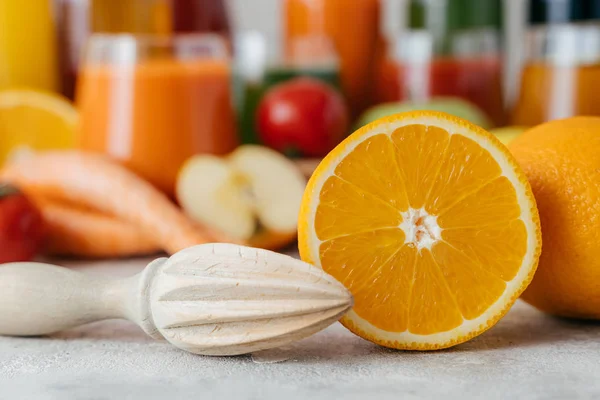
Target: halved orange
x=430, y=223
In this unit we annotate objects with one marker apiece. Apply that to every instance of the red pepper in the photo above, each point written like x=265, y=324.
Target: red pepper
x=21, y=226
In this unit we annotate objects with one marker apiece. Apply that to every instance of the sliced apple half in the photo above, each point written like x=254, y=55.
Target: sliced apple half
x=253, y=195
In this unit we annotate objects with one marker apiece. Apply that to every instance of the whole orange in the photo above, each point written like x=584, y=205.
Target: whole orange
x=562, y=162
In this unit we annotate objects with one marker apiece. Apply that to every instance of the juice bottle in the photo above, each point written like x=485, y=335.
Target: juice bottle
x=354, y=28
x=153, y=102
x=27, y=45
x=561, y=77
x=452, y=49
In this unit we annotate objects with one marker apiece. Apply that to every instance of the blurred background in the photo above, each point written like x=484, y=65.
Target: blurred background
x=257, y=15
x=498, y=62
x=153, y=84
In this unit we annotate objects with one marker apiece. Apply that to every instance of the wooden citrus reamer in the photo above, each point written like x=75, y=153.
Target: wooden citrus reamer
x=214, y=299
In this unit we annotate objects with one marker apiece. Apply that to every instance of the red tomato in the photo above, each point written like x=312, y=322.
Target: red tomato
x=303, y=116
x=21, y=226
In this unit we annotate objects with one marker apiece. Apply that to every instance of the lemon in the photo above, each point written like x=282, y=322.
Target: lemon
x=35, y=120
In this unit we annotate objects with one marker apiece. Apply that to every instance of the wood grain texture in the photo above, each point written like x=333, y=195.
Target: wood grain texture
x=214, y=299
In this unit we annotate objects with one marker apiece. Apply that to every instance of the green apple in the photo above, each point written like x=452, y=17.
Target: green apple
x=450, y=105
x=508, y=133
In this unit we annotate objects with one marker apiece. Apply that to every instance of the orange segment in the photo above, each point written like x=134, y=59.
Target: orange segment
x=362, y=168
x=474, y=288
x=499, y=249
x=391, y=311
x=440, y=311
x=431, y=225
x=357, y=259
x=467, y=168
x=336, y=217
x=494, y=203
x=419, y=150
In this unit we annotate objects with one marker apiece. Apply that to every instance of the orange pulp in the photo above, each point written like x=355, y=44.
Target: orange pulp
x=155, y=115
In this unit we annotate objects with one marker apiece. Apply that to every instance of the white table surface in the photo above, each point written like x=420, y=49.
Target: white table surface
x=527, y=355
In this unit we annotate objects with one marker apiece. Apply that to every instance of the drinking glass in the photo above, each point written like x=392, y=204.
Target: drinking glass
x=152, y=102
x=77, y=19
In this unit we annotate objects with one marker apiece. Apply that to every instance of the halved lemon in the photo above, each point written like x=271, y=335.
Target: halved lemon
x=429, y=222
x=34, y=120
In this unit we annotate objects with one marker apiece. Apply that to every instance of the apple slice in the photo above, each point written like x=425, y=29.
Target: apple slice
x=254, y=194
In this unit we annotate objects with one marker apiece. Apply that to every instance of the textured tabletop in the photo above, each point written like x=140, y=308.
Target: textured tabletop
x=527, y=355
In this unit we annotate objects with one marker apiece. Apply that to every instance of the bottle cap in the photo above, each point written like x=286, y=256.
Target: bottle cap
x=593, y=9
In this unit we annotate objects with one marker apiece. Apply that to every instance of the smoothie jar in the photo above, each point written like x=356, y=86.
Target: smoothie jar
x=561, y=76
x=354, y=28
x=27, y=45
x=260, y=65
x=77, y=19
x=151, y=102
x=452, y=49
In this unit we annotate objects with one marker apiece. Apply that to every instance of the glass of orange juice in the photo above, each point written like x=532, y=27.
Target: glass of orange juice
x=152, y=102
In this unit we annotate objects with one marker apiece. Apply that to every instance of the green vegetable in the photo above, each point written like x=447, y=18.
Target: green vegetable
x=451, y=105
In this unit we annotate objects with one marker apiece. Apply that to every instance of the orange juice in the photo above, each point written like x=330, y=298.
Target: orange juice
x=354, y=28
x=156, y=114
x=78, y=19
x=27, y=45
x=553, y=92
x=561, y=76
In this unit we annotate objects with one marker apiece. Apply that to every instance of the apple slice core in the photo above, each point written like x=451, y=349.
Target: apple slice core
x=277, y=186
x=254, y=188
x=210, y=191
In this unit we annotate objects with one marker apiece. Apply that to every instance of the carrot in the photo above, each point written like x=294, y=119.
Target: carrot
x=96, y=181
x=87, y=233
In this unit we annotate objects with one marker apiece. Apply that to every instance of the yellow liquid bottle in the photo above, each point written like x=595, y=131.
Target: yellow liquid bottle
x=27, y=45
